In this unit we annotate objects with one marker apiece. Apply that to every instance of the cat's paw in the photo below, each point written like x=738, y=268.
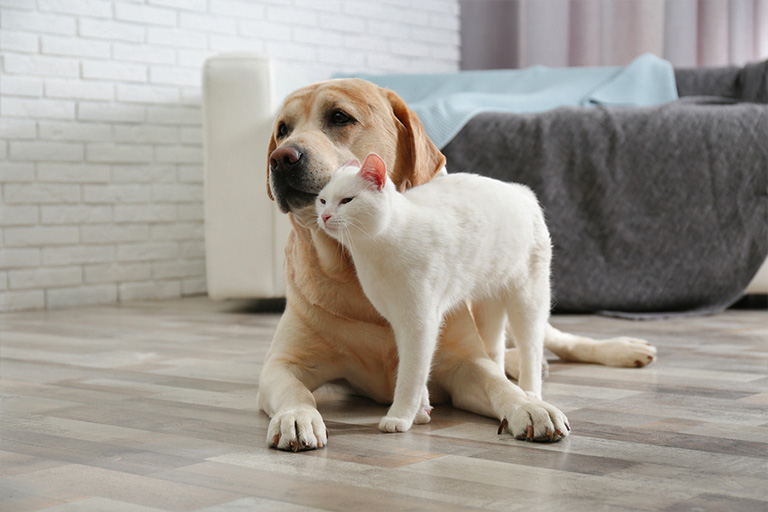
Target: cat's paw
x=394, y=424
x=423, y=416
x=535, y=420
x=625, y=352
x=297, y=429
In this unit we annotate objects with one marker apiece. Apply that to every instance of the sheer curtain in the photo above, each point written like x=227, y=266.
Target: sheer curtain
x=689, y=33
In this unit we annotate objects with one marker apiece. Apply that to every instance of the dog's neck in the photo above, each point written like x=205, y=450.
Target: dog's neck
x=325, y=252
x=328, y=279
x=305, y=217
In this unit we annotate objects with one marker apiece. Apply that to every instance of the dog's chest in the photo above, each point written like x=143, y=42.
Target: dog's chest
x=371, y=362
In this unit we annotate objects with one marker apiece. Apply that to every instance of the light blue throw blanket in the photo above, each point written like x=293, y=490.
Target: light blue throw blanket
x=445, y=102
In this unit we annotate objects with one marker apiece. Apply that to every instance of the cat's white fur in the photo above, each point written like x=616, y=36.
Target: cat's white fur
x=418, y=254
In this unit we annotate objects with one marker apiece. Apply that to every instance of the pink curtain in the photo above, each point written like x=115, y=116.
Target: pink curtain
x=689, y=33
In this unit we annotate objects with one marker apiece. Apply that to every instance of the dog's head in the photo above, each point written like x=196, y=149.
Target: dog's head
x=322, y=126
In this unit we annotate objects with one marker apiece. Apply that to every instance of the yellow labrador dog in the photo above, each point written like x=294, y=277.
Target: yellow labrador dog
x=329, y=331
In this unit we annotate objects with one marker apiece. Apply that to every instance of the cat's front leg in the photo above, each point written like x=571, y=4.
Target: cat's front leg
x=415, y=345
x=512, y=365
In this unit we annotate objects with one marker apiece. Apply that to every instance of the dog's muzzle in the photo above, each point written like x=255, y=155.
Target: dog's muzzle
x=293, y=186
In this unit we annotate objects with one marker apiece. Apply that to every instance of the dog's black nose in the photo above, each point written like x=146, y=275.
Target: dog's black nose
x=284, y=158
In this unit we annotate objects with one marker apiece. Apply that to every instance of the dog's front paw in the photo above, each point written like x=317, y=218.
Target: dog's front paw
x=625, y=352
x=394, y=424
x=535, y=420
x=297, y=429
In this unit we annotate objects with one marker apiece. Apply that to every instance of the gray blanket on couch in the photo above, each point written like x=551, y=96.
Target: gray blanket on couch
x=652, y=210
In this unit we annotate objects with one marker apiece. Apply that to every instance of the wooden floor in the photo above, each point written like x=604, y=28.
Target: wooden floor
x=152, y=406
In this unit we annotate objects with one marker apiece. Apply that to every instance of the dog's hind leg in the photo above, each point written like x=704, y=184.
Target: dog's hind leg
x=622, y=351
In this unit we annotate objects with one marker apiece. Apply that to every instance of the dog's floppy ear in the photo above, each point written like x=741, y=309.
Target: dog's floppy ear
x=270, y=149
x=418, y=159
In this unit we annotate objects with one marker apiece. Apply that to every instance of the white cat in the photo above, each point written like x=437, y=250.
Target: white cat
x=420, y=253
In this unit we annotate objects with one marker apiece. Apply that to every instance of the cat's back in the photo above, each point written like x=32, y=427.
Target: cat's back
x=470, y=191
x=473, y=230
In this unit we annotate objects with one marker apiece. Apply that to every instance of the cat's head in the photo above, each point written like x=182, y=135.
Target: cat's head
x=356, y=200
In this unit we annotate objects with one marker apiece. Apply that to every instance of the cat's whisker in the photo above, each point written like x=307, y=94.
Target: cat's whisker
x=349, y=237
x=343, y=232
x=359, y=228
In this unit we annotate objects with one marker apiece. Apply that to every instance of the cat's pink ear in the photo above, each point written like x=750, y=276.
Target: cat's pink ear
x=374, y=170
x=352, y=163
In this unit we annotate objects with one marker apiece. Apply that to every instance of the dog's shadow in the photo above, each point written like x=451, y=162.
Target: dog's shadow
x=346, y=413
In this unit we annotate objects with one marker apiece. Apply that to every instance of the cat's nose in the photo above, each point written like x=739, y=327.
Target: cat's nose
x=325, y=217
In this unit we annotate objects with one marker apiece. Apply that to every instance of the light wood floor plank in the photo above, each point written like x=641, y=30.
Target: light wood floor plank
x=151, y=407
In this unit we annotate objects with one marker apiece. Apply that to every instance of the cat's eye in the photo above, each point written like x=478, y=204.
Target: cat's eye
x=322, y=201
x=346, y=200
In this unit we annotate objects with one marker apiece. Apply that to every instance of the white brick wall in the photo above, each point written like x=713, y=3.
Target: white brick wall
x=100, y=139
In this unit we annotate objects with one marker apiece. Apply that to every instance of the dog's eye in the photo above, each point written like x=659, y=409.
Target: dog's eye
x=346, y=200
x=282, y=130
x=322, y=201
x=340, y=118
